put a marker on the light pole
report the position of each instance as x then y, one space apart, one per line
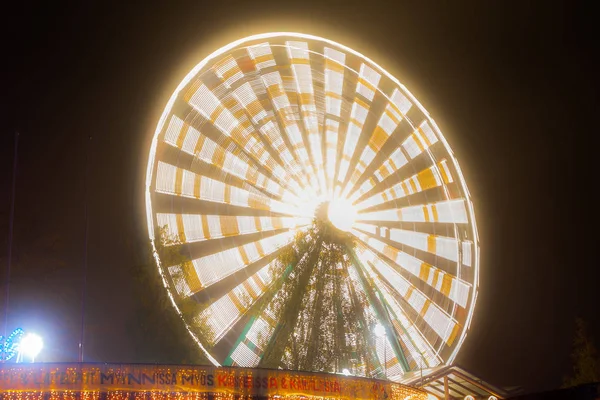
421 370
380 332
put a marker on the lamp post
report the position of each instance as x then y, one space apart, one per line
421 366
380 332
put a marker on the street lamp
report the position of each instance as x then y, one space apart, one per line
421 366
380 332
30 346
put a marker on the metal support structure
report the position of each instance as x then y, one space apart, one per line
384 337
446 389
85 249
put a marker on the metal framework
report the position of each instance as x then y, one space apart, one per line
453 382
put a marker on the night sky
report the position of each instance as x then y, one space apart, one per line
512 85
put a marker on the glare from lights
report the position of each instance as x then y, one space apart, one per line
346 372
30 346
341 214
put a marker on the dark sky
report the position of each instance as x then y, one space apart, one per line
512 84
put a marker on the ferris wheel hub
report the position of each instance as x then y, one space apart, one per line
341 213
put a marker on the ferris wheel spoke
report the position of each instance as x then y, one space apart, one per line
450 211
180 182
394 112
348 95
193 276
266 124
280 102
449 285
413 340
168 203
190 228
368 79
417 345
286 118
423 308
234 125
245 91
418 142
446 247
298 56
219 162
173 156
222 314
253 96
334 84
429 178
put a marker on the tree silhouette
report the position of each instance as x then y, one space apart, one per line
584 358
161 332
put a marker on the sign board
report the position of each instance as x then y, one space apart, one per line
45 377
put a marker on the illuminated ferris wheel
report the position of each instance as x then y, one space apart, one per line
266 147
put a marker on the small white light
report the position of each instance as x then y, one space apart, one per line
379 330
31 345
346 372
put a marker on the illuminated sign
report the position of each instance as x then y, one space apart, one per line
138 378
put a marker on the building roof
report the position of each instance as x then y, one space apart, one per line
461 383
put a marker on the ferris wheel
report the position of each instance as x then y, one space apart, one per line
262 143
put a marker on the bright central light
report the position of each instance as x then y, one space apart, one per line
341 214
31 345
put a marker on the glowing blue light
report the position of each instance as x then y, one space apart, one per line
9 346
